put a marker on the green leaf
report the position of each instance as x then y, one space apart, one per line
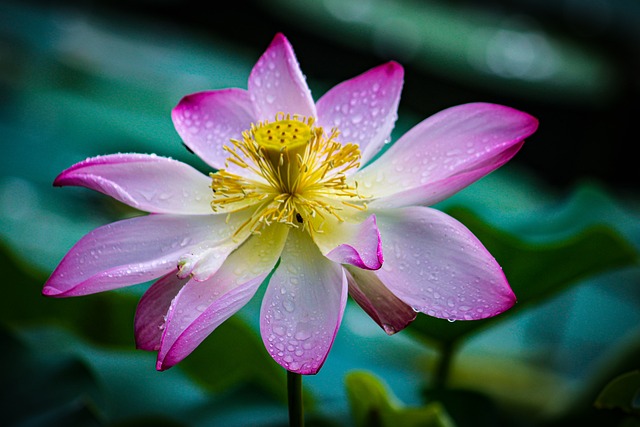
45 390
623 392
105 318
535 271
373 406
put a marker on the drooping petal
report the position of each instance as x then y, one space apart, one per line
445 153
131 251
437 266
277 85
152 309
200 307
206 121
146 182
303 306
386 309
351 243
364 108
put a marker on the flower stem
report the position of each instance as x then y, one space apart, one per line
294 390
444 366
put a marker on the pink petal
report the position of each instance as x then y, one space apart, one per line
277 85
200 307
303 306
445 153
437 266
349 243
129 252
382 305
364 108
206 121
146 182
152 309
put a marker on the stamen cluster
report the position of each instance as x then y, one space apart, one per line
291 172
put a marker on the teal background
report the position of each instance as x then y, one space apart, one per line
79 79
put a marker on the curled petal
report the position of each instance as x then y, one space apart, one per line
277 85
386 309
437 266
200 307
445 153
131 251
349 243
206 121
303 306
146 182
364 108
152 310
202 264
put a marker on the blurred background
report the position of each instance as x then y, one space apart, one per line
80 79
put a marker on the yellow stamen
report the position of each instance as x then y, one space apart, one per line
292 173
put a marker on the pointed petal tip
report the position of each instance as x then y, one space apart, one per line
50 291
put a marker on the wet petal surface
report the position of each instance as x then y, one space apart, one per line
303 306
437 266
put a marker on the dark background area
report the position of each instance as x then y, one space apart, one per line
578 138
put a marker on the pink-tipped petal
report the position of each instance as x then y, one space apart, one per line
146 182
364 108
386 309
152 310
351 243
437 266
200 307
131 251
207 121
445 153
303 306
277 85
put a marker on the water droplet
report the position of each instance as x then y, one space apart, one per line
302 335
288 305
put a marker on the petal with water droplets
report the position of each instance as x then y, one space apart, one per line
200 307
207 121
277 85
152 311
131 251
146 182
437 266
445 153
351 243
303 306
364 108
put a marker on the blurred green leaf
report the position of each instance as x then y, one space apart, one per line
623 392
232 355
535 271
467 408
105 318
39 389
373 406
474 44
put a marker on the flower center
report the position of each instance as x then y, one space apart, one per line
291 172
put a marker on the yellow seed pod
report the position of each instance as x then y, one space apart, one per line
281 134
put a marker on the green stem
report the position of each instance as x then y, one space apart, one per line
444 366
294 390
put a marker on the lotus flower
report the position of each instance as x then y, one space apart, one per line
296 194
